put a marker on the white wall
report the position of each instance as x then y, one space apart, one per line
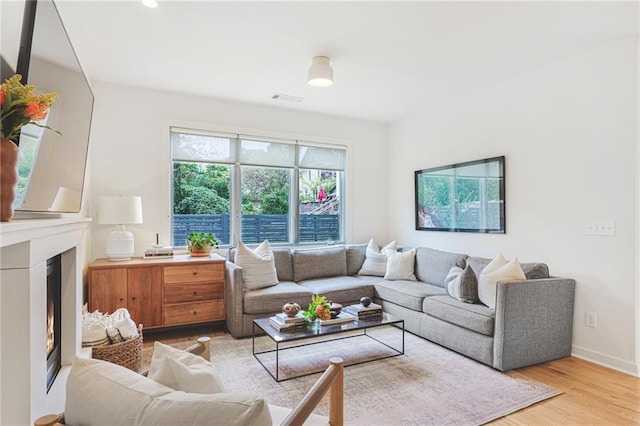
129 154
569 135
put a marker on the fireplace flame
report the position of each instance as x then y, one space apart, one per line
51 335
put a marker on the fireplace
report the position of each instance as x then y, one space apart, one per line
40 261
54 318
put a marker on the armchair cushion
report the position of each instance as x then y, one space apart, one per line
102 393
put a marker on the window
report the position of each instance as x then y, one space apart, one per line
250 189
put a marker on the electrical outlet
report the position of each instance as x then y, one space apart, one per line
591 319
602 227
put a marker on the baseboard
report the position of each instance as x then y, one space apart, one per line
605 360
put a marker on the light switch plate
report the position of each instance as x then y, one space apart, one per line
601 227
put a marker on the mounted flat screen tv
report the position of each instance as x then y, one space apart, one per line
464 197
52 167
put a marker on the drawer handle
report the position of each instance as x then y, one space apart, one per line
133 298
122 299
195 313
195 272
195 293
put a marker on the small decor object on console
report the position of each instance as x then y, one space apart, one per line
200 244
291 309
20 106
365 301
158 251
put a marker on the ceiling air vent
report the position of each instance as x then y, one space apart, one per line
287 98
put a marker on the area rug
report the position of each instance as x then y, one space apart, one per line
428 385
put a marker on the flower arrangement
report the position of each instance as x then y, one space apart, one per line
20 106
319 308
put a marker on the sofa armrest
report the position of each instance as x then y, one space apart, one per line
534 321
234 295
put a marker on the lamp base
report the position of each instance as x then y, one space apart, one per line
120 245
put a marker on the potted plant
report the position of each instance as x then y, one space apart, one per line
19 106
200 243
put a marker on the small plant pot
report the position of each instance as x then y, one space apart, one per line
199 252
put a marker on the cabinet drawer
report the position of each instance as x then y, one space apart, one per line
186 313
194 273
178 293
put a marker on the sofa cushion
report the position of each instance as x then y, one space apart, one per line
409 294
375 261
339 289
532 270
271 299
475 317
400 266
259 269
497 270
462 284
319 262
355 257
432 266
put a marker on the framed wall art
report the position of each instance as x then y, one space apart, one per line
463 197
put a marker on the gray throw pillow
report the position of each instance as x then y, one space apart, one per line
462 284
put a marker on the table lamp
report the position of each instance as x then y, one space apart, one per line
120 211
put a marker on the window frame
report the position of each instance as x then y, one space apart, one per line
235 176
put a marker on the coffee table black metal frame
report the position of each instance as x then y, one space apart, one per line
310 331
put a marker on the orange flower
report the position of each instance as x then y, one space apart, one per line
35 110
3 95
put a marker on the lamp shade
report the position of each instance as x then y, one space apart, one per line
320 72
119 210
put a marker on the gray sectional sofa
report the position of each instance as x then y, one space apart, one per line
531 323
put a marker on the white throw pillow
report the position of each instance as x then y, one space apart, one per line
400 266
497 270
259 267
196 378
375 261
162 351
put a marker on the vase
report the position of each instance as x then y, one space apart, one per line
8 178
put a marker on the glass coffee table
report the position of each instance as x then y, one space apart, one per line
321 335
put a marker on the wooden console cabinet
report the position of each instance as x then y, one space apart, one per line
160 292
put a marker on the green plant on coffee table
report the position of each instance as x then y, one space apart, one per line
319 308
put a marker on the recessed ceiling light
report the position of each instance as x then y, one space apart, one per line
150 3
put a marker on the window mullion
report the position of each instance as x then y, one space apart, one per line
294 209
236 197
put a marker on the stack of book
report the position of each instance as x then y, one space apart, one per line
373 311
282 322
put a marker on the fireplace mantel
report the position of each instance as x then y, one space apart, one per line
25 246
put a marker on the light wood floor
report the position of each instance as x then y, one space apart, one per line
592 395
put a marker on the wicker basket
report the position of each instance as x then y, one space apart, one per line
127 354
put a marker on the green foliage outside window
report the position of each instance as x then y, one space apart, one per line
201 188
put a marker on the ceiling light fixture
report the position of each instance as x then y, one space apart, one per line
320 72
150 3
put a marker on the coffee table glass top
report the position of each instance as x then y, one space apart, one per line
311 330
